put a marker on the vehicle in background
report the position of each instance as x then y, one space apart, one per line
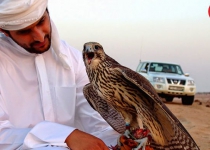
169 80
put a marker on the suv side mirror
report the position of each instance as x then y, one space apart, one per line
143 70
187 74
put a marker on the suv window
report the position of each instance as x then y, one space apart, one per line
138 68
145 66
141 66
166 68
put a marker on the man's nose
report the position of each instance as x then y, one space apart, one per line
38 34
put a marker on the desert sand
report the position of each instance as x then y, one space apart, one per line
195 118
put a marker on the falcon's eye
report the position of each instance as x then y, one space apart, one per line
90 55
97 47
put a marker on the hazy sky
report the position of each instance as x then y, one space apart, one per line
129 30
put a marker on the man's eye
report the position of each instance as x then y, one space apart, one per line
24 31
41 21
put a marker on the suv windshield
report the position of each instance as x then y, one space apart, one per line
166 68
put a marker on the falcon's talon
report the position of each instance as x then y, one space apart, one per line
142 143
127 133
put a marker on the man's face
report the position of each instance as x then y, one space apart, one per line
35 38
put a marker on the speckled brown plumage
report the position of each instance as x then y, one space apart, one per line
118 92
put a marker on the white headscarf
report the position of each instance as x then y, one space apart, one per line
18 14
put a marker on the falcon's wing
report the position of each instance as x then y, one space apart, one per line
112 117
173 130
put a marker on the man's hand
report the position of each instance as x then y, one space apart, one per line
79 140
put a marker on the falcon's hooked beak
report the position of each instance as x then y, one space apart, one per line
89 54
89 51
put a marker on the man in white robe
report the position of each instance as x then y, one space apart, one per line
41 82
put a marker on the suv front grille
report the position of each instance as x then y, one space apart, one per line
176 81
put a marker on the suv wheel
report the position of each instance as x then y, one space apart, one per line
187 100
169 98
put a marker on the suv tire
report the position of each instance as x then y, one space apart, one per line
169 98
187 100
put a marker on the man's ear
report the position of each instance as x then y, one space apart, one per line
6 32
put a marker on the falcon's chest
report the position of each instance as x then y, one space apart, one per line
109 83
104 80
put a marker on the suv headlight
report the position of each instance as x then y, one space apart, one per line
158 79
190 82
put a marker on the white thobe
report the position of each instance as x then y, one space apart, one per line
41 102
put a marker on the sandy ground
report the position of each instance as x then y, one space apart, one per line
195 118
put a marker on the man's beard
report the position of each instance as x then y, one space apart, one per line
33 50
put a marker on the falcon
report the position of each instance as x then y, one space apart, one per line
125 98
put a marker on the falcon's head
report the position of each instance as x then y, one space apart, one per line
93 54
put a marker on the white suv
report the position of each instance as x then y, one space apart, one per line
169 80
